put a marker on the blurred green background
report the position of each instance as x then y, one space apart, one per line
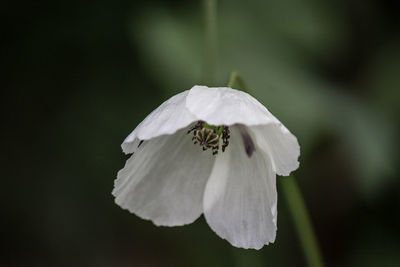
78 76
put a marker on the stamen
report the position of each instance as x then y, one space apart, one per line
208 136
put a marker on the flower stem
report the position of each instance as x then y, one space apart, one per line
235 76
301 221
294 201
210 40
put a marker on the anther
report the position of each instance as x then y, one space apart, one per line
208 136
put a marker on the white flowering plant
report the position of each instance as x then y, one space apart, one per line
213 151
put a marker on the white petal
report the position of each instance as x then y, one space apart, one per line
280 144
129 147
164 180
240 197
169 117
227 106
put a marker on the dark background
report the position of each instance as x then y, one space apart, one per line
78 76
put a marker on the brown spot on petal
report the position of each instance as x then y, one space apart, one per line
248 143
141 142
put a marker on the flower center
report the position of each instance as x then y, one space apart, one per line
208 136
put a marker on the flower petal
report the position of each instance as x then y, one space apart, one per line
169 117
164 180
240 197
227 106
280 144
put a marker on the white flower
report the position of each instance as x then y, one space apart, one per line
171 181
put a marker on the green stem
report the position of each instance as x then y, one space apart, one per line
210 38
232 78
235 76
294 201
301 221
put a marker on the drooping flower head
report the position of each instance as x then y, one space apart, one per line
209 150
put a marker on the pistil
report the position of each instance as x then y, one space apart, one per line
208 136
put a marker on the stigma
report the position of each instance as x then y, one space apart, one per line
208 136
